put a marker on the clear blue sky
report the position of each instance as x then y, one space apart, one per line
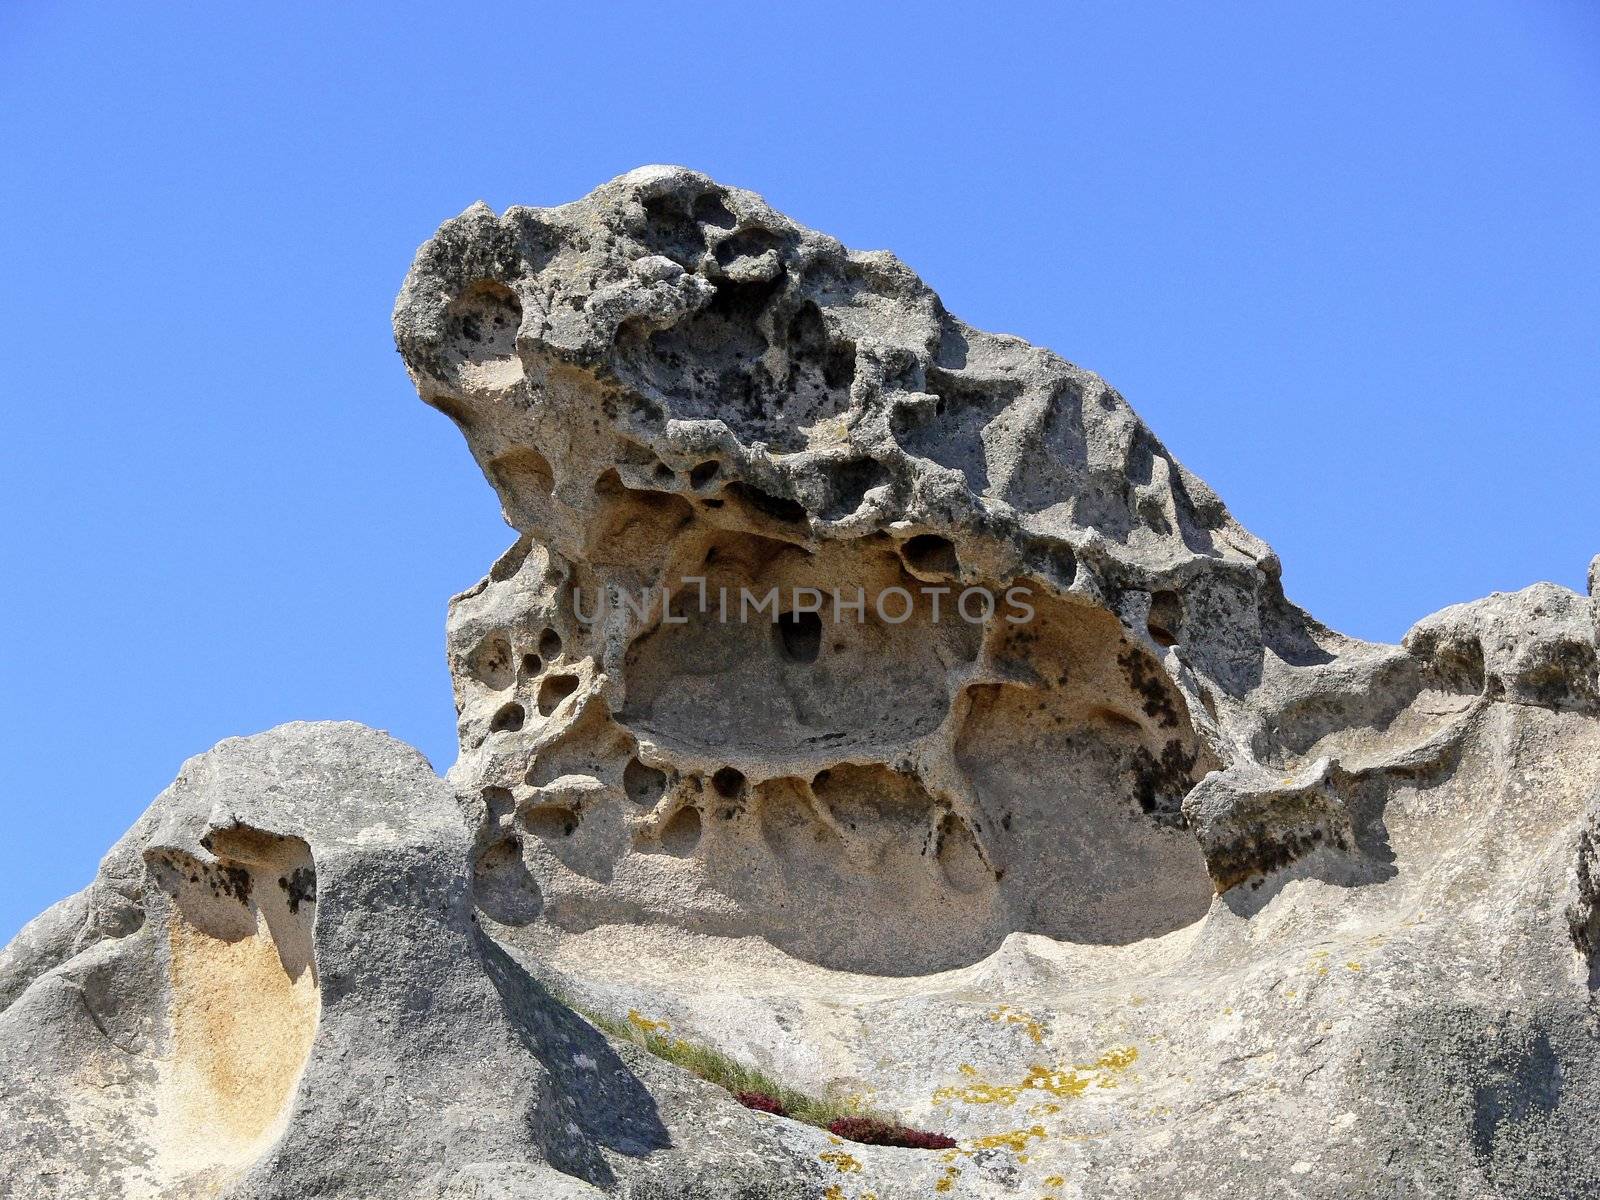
1346 263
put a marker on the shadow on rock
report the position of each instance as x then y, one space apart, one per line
590 1088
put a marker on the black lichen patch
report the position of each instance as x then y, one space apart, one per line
300 885
1257 851
1151 684
233 882
1160 784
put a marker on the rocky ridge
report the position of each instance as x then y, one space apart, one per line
1013 797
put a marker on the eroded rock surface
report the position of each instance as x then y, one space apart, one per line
877 700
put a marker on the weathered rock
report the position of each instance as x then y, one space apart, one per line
1536 646
1066 834
304 1005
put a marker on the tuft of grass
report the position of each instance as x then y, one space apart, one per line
757 1090
715 1067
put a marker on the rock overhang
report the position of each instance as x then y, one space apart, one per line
671 386
1166 887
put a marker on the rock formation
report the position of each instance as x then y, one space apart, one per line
877 701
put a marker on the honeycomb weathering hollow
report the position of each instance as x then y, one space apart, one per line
244 998
682 396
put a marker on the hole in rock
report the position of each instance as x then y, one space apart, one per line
1062 822
1091 765
1166 618
522 473
930 554
1055 565
523 480
777 507
811 349
951 433
532 664
747 243
674 232
746 683
551 821
498 802
682 834
550 645
744 302
490 663
848 485
554 690
1112 719
634 523
728 783
509 563
704 473
502 886
509 719
710 210
799 636
482 322
959 858
643 784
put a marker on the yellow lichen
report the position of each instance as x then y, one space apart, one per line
841 1160
858 1102
1016 1139
947 1180
1063 1082
1039 1078
1118 1059
1005 1015
1055 1181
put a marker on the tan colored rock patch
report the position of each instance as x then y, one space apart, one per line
243 1011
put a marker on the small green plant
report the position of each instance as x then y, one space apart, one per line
753 1088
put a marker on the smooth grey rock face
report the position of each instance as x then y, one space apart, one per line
1163 889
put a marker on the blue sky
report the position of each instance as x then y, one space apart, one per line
1344 262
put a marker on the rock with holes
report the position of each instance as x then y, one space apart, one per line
874 701
826 603
879 700
277 987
